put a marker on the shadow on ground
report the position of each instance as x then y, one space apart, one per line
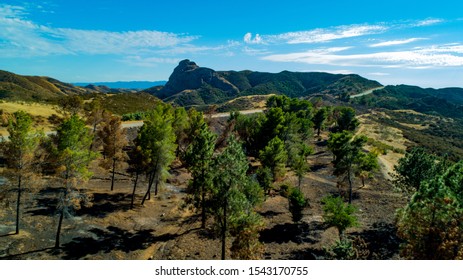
109 239
297 233
382 240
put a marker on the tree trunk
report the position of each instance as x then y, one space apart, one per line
318 132
224 228
156 187
18 202
112 177
58 232
350 185
203 207
134 189
148 192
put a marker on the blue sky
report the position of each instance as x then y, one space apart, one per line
393 42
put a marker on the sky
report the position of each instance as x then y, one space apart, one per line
393 42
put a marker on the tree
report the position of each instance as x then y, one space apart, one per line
338 214
319 119
348 156
274 156
265 178
199 158
298 160
20 151
71 149
136 165
297 203
233 194
95 116
180 126
156 141
70 105
367 164
416 167
114 140
431 224
345 119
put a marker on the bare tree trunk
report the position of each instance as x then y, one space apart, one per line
58 232
203 207
148 192
134 188
156 187
112 177
350 185
18 202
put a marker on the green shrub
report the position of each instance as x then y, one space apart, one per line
297 203
338 214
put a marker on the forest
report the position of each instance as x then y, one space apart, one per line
239 174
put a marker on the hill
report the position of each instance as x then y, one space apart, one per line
33 88
191 84
447 102
15 87
127 85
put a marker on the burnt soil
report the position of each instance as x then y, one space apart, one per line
164 228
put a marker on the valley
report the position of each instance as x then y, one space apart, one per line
271 119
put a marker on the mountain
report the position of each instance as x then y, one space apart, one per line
130 85
34 88
190 84
446 102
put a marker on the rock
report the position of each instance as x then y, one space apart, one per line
188 76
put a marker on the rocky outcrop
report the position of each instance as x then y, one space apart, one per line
188 76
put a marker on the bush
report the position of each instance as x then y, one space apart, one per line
338 214
297 203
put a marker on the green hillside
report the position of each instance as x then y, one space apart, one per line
190 84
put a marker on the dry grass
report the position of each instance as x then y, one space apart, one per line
40 112
389 136
35 109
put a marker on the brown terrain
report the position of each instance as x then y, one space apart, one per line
165 229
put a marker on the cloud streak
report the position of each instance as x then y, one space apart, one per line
319 35
396 42
23 38
418 58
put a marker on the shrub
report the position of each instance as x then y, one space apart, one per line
338 214
297 203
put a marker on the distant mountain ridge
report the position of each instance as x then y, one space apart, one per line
38 88
190 84
133 85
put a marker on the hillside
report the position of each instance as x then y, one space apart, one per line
191 84
447 102
15 87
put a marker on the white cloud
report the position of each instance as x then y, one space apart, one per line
428 22
318 35
418 58
249 40
21 37
137 60
396 42
379 74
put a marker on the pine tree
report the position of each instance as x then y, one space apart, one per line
199 158
156 141
233 194
348 156
20 151
114 140
274 156
71 149
319 119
